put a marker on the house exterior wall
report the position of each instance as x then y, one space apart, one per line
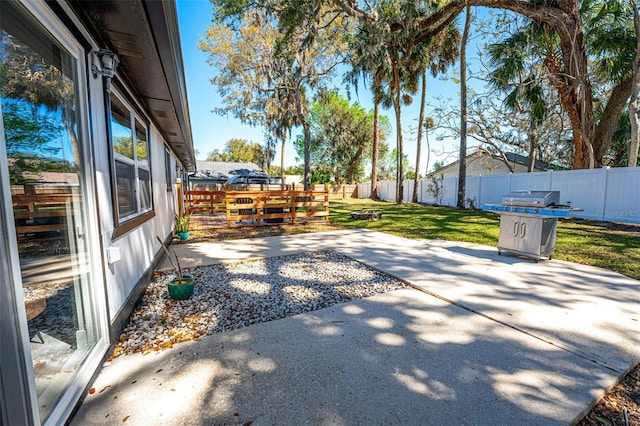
118 263
138 247
482 165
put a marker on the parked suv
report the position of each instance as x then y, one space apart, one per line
248 179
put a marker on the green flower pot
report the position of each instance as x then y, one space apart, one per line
180 288
183 235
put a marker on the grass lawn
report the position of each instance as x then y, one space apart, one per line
611 246
603 244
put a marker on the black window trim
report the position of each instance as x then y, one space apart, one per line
169 170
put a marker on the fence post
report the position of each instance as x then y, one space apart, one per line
604 196
227 201
260 205
179 198
293 199
326 201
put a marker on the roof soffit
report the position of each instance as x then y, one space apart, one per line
144 35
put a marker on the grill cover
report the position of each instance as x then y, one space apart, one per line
532 198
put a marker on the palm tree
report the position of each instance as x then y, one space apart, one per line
442 53
429 123
517 70
577 25
383 51
280 117
408 60
462 167
609 42
367 60
423 96
634 108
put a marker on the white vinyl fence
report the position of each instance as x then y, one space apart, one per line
611 195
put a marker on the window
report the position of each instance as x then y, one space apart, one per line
167 169
130 144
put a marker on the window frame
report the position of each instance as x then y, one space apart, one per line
141 214
168 174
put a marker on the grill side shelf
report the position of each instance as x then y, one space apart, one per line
499 208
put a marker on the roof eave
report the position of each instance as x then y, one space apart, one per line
145 36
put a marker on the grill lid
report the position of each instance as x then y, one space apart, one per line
528 198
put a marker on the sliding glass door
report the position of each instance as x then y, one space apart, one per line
43 127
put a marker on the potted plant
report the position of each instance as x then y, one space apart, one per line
182 226
180 287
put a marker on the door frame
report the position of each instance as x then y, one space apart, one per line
17 379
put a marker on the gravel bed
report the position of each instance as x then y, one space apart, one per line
231 296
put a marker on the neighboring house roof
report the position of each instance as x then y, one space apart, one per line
512 157
144 34
521 159
222 170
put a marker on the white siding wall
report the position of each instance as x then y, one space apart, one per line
604 194
139 246
483 165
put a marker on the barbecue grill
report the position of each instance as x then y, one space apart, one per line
528 222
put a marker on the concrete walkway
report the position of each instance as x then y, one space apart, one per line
488 340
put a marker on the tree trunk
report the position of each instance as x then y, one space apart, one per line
376 149
284 140
635 134
575 61
564 17
558 81
576 94
353 163
307 153
75 144
423 98
306 131
533 143
571 80
69 117
633 102
462 169
397 105
426 139
610 118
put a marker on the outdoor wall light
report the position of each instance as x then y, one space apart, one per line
108 62
178 172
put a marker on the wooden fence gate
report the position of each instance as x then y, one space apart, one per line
257 207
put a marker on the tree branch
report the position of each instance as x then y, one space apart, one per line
609 118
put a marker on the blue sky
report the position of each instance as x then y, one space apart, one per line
211 131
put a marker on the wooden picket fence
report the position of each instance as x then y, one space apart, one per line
256 207
42 208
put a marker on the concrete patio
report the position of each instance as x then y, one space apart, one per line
480 339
